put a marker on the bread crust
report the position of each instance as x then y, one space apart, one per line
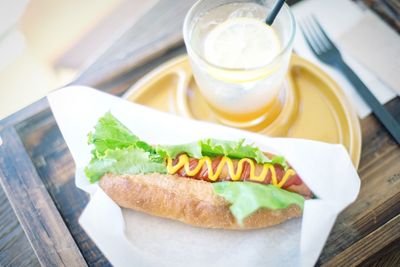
187 200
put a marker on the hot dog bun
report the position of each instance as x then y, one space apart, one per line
187 200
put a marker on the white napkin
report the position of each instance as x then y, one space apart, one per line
130 238
377 46
336 17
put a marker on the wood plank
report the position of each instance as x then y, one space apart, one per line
151 36
123 82
14 246
371 244
103 33
24 113
55 166
388 10
43 225
389 257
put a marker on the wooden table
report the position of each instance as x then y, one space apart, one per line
38 222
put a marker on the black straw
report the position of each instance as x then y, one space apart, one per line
274 12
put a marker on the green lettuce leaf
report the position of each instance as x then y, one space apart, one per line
248 197
110 133
130 160
192 149
281 161
232 149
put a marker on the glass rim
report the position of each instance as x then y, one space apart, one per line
189 49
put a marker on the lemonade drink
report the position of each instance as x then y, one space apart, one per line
238 61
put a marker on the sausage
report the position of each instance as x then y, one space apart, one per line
293 184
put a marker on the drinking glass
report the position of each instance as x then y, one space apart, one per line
238 96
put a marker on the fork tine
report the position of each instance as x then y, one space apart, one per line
321 30
319 39
308 37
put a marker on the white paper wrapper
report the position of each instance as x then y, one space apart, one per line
130 238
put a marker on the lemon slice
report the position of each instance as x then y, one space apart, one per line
241 43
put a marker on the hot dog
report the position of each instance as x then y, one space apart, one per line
210 183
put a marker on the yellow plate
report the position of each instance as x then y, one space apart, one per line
314 106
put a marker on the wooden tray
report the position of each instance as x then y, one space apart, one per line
314 106
37 171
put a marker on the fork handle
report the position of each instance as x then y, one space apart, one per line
377 108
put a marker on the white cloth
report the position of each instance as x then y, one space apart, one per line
336 17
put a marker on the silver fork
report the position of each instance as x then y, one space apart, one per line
326 51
